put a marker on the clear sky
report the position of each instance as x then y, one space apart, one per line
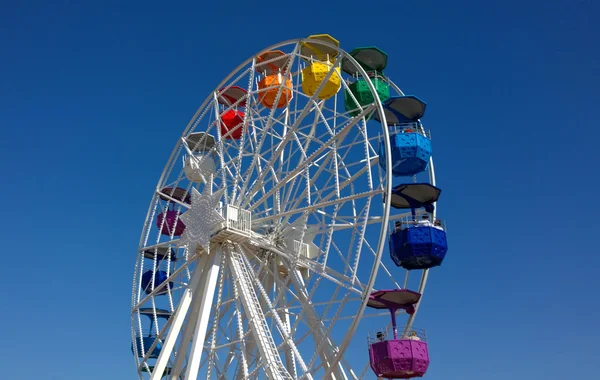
93 96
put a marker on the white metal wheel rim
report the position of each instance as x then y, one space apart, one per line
381 244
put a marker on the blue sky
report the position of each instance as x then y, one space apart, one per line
93 97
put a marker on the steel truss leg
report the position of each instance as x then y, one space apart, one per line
324 345
198 319
267 281
290 361
271 362
177 320
284 315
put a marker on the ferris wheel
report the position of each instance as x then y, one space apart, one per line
296 211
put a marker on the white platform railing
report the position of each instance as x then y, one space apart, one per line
301 247
238 219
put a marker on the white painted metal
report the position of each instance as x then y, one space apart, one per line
206 299
177 320
186 337
272 364
325 347
287 339
238 219
267 280
290 361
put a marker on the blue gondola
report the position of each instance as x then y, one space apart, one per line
417 242
160 276
148 340
410 143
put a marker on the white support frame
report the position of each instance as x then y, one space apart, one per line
178 319
197 323
325 347
271 362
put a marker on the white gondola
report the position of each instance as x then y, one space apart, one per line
199 164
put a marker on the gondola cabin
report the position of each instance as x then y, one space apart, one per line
168 221
410 144
417 241
232 96
397 357
359 95
175 194
232 119
232 124
320 75
315 47
199 166
160 277
143 345
416 245
148 338
403 358
275 86
316 75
